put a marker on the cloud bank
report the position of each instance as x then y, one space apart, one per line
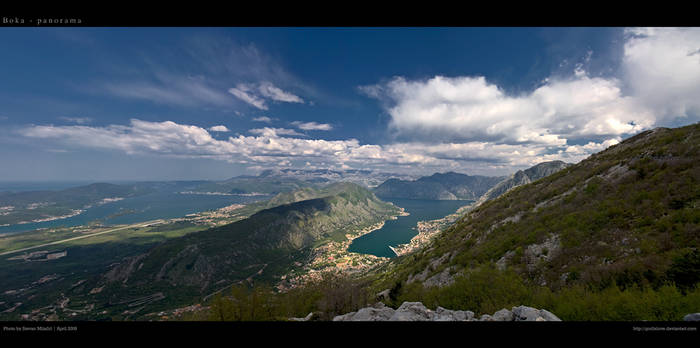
270 146
565 117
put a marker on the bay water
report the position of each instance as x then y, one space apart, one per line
165 203
401 230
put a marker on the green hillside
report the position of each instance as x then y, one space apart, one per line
624 222
262 247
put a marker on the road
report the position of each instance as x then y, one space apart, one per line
143 224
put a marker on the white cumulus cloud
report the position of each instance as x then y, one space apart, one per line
659 82
472 109
219 128
274 132
312 125
662 69
469 119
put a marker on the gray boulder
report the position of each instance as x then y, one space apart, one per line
692 317
412 311
307 318
379 312
548 316
442 314
344 317
485 317
374 314
524 313
503 315
416 311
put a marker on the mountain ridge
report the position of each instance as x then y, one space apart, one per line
522 177
439 186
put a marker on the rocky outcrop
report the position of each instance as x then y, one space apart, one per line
523 313
306 318
432 266
416 311
692 317
122 271
441 279
378 312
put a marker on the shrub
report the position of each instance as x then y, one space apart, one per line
685 270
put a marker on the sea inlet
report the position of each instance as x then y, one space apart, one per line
401 230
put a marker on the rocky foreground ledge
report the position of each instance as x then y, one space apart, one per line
416 311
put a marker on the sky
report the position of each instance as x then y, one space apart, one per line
212 103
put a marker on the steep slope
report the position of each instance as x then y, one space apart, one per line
263 246
439 186
523 177
626 216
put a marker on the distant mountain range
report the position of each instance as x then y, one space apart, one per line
439 186
285 180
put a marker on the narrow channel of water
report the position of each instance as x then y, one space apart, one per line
401 230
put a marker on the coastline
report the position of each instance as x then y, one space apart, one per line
85 231
335 257
75 212
428 229
251 194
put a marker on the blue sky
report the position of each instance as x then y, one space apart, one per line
212 103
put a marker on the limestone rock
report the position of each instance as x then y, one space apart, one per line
692 317
374 314
307 318
524 313
379 312
412 311
548 316
486 317
441 279
344 317
442 314
416 311
503 315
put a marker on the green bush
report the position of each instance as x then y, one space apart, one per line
486 290
685 270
